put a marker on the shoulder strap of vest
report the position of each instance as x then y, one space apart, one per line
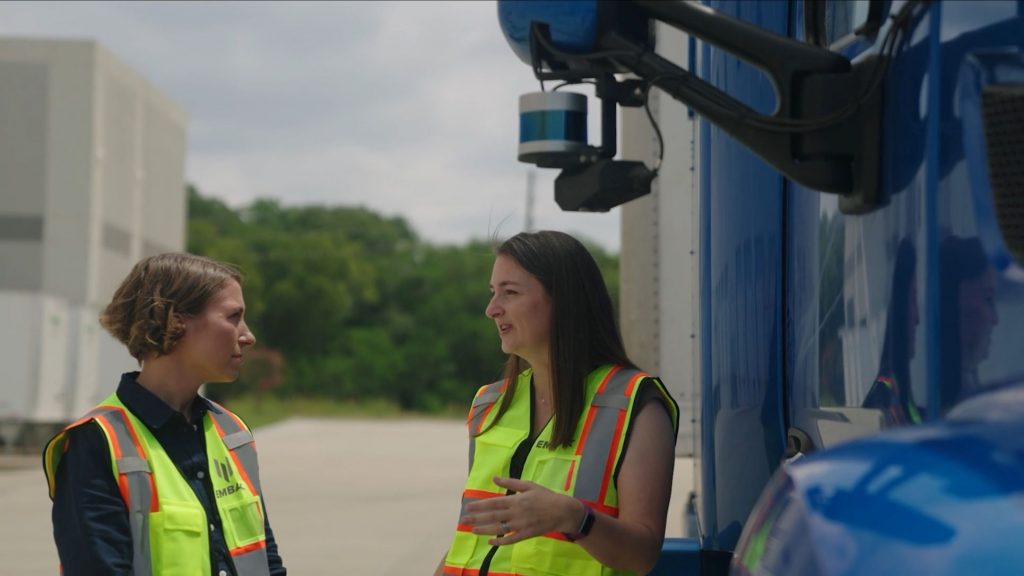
483 402
249 560
58 446
134 478
602 434
240 444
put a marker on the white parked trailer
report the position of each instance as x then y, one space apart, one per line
660 257
91 180
34 338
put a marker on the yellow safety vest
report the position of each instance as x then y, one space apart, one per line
586 470
168 523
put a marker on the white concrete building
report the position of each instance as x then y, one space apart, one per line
91 180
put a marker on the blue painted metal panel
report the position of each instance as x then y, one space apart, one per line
678 556
915 297
742 428
936 499
704 454
855 284
573 23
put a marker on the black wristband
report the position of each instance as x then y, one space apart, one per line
585 525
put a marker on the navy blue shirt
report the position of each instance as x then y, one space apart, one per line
90 520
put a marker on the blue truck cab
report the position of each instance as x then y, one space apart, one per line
860 406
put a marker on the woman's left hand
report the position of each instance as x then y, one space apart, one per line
533 510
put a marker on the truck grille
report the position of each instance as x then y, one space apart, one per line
1003 109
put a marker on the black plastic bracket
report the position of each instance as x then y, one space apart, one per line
840 156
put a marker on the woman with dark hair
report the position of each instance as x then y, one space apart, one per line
891 392
967 316
157 479
571 454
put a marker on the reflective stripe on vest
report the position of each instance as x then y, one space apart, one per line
130 468
585 470
249 558
602 432
483 403
138 485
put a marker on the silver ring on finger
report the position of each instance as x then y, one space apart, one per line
505 528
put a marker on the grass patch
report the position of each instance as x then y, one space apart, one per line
264 409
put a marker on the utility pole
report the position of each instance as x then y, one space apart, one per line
530 177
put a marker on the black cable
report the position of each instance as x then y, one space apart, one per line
657 129
603 55
573 83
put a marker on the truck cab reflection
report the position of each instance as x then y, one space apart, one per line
891 392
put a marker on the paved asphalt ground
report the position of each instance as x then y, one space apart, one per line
367 497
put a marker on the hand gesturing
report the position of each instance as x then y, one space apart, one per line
531 511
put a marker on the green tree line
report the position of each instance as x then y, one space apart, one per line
347 304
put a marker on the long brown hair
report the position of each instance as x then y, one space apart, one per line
584 334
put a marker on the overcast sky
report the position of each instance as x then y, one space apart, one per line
406 108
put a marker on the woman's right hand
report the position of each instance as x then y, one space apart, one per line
531 511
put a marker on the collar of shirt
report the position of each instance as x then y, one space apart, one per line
153 411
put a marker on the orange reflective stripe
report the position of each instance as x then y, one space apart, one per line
480 494
586 429
486 410
154 502
472 411
613 452
122 479
603 508
632 384
592 411
483 418
131 430
608 378
460 571
114 442
568 477
234 457
248 548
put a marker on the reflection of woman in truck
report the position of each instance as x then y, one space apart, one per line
968 316
891 392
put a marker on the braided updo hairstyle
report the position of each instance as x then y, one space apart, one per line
143 313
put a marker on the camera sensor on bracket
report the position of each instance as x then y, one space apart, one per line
553 134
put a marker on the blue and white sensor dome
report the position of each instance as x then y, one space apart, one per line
552 128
